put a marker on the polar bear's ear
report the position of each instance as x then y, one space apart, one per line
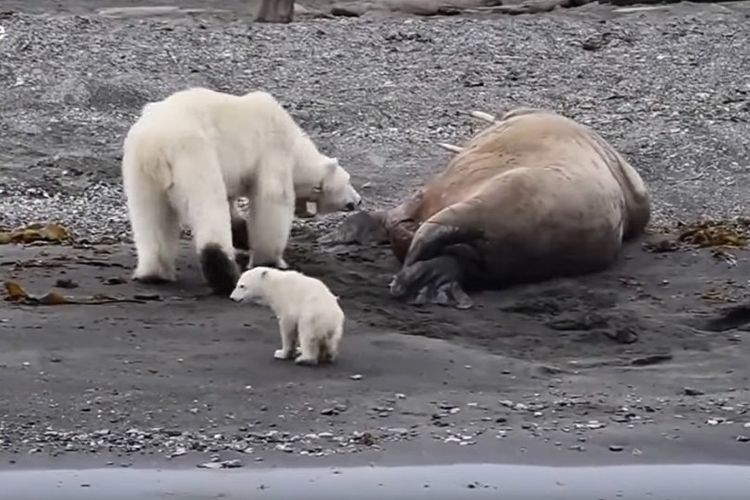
331 165
264 273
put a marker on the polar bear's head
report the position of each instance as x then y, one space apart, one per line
251 286
335 192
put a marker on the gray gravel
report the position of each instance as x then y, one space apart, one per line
672 92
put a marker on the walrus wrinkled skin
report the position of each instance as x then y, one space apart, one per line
532 197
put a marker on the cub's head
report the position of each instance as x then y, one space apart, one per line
250 285
335 192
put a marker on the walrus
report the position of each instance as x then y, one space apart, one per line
532 197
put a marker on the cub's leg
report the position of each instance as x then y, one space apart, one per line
309 344
288 332
331 351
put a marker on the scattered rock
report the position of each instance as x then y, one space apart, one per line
624 335
689 391
225 464
348 9
66 283
115 280
147 296
651 360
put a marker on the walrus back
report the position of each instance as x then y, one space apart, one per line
532 139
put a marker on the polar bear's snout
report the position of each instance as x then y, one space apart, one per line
336 191
239 293
356 202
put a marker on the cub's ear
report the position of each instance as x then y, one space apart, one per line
264 273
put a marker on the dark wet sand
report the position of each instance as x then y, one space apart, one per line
203 365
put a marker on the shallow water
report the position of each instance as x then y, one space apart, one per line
509 482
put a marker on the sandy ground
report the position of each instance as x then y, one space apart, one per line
562 372
618 367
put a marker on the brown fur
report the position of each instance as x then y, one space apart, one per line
534 196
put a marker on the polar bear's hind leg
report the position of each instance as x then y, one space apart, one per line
199 187
154 224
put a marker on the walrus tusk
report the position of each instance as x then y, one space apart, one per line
483 116
450 147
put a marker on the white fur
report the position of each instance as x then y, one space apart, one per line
189 156
308 313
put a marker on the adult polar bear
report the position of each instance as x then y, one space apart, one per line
534 196
190 156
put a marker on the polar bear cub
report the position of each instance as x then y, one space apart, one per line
309 314
190 156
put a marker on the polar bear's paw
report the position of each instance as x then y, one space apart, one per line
305 360
153 279
279 263
242 259
219 269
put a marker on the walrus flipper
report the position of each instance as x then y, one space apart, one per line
440 263
433 281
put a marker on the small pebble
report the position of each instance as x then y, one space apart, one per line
226 464
689 391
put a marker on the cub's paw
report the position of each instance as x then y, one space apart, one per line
281 354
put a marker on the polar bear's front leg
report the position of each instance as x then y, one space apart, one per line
270 220
240 234
199 189
288 333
